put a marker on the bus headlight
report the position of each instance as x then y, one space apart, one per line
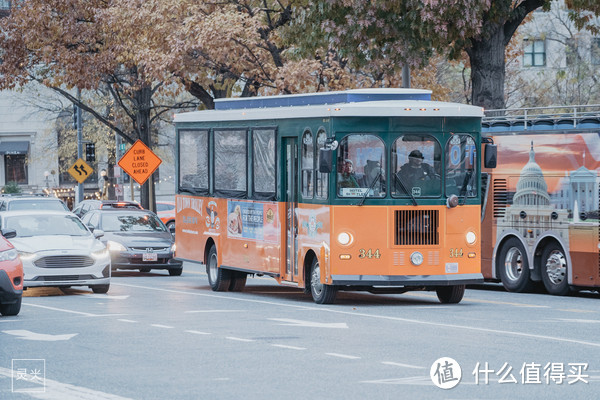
416 258
344 238
471 237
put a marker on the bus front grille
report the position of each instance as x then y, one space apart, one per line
416 227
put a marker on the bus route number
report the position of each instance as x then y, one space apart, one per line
362 253
456 253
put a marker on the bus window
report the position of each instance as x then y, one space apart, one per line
264 176
308 165
416 166
361 166
461 170
322 179
230 162
193 160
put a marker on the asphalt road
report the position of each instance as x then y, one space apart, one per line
154 336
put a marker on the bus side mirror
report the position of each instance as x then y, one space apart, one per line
325 160
490 156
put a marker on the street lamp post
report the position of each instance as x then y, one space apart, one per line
46 179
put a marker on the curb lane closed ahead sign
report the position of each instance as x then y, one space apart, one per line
139 162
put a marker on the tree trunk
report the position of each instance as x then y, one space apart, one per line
143 97
487 69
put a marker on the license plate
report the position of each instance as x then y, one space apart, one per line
149 257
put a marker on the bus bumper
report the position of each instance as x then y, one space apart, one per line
406 280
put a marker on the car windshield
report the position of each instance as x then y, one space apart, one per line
37 204
39 225
118 222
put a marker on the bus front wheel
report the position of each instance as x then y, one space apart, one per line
514 267
450 294
321 293
218 278
554 270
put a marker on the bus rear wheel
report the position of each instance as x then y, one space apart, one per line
514 267
238 281
450 294
219 279
555 270
321 293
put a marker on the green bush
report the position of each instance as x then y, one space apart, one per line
11 187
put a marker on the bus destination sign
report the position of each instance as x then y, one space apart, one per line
139 162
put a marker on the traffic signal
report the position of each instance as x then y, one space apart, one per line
90 152
74 116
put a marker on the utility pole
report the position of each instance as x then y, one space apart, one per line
78 125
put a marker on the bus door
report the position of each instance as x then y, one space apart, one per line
290 146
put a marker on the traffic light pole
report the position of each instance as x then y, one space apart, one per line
77 115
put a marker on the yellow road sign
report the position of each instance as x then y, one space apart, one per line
80 170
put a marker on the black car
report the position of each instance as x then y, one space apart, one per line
31 202
87 205
136 239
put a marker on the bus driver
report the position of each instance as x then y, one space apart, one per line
415 170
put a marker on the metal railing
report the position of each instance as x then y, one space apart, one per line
566 117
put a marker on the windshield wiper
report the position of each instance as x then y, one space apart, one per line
360 203
463 189
403 187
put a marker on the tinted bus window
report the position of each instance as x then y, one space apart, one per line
230 162
193 159
307 165
264 175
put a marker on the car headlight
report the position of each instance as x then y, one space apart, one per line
102 253
471 237
8 255
344 238
115 246
173 247
26 256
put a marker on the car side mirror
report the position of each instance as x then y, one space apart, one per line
490 156
9 233
98 233
325 160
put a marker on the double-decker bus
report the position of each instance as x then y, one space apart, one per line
540 217
374 190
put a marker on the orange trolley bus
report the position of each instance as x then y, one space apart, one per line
368 189
541 220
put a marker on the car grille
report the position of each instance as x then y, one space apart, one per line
62 278
416 227
154 249
64 262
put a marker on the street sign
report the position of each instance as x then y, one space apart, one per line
139 162
80 170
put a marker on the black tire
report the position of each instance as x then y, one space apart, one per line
219 279
11 309
170 224
101 289
321 293
450 294
513 267
555 270
175 272
238 281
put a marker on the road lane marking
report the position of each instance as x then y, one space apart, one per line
199 333
55 390
127 320
375 316
343 356
283 346
310 324
23 334
239 339
402 365
162 326
578 311
212 311
61 309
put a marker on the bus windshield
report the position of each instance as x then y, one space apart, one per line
360 161
416 166
461 166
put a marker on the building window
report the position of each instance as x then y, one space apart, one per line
15 166
595 51
535 53
4 4
571 52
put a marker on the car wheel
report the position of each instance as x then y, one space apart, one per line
514 267
100 288
321 293
170 224
555 270
11 309
175 272
218 278
238 281
450 294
